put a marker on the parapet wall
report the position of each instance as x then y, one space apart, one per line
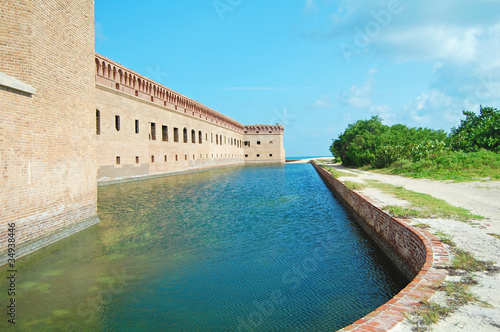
111 74
417 253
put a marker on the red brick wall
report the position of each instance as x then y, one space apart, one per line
404 247
419 255
47 150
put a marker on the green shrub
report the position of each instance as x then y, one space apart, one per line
477 131
470 152
369 142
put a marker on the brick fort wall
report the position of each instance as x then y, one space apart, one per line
47 101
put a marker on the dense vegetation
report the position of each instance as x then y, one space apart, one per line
470 151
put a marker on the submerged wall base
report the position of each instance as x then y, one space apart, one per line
33 245
417 253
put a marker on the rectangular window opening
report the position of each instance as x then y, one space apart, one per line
98 122
153 131
176 135
164 133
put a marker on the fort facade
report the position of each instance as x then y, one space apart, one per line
72 118
146 129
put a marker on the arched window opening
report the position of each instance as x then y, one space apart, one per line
97 66
185 132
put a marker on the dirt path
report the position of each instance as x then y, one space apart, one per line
481 198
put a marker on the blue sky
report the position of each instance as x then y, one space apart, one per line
314 66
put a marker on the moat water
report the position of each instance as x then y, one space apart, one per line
239 249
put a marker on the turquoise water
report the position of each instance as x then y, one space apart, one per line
239 249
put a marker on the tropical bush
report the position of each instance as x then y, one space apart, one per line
473 147
369 142
477 131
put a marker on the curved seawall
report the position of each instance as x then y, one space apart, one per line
416 252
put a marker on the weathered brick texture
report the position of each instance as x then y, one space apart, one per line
70 116
417 253
47 143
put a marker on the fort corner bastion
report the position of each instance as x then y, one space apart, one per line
73 119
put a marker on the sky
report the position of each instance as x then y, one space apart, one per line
314 66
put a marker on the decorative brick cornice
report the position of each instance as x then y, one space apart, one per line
264 129
113 75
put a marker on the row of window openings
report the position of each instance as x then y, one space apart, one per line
165 159
247 143
258 155
164 133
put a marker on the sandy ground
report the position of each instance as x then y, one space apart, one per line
481 198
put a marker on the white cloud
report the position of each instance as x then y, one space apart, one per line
360 96
430 43
323 102
435 107
310 4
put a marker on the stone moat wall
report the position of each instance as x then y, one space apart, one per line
417 253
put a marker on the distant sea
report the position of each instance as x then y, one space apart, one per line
306 157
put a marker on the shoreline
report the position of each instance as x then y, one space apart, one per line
480 198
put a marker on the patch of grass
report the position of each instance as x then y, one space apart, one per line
425 205
431 312
401 211
464 260
354 185
495 235
459 294
337 174
327 161
456 166
421 225
445 238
